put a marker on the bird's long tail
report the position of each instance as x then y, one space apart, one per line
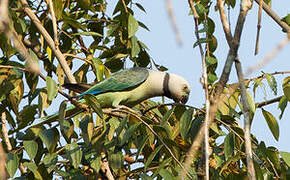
69 112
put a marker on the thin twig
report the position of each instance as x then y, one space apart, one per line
269 57
75 56
247 121
50 41
125 6
54 24
275 17
207 102
271 101
258 27
173 22
5 132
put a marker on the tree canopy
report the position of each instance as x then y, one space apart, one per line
45 43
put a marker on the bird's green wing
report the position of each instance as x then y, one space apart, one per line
124 80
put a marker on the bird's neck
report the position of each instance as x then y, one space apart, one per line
158 83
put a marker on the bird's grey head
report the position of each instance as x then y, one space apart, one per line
178 88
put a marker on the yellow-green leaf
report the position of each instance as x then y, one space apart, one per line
51 88
286 87
12 164
272 123
132 25
31 148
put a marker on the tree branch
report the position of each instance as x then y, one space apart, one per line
275 17
258 27
54 24
247 121
173 22
215 99
50 41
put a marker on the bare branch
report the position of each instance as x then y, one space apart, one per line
225 23
275 17
258 27
247 121
173 22
5 132
106 168
3 174
271 101
50 41
54 24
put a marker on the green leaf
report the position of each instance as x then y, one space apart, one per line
51 88
151 157
34 168
286 19
50 161
88 34
229 145
94 104
282 105
75 154
135 47
185 122
129 133
12 164
96 163
50 138
165 174
251 102
272 123
286 157
132 26
286 87
140 7
272 83
116 160
31 148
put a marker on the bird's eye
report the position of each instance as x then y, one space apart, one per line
185 87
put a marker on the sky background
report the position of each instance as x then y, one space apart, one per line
186 61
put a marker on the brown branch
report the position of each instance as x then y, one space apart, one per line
271 101
3 174
225 23
11 34
258 27
275 17
247 121
54 24
75 56
173 22
106 168
125 6
49 40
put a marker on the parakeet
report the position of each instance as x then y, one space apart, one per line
132 86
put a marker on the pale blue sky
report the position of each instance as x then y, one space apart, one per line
186 61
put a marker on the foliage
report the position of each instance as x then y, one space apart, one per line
155 141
